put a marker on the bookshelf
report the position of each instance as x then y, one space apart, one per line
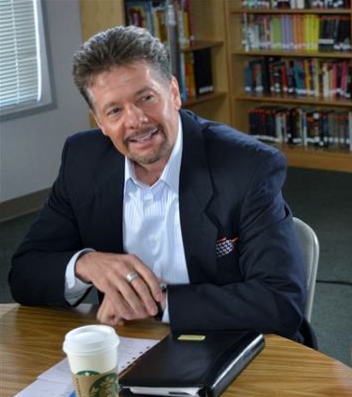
242 101
97 15
218 25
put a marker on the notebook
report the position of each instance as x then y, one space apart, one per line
201 364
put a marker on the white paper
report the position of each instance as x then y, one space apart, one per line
57 382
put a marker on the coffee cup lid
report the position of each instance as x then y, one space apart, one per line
90 339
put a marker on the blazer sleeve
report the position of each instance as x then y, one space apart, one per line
270 295
37 275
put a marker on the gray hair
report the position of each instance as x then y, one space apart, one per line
116 47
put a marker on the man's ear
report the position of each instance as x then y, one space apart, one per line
175 92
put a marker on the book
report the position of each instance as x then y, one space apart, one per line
349 138
198 365
183 12
202 69
189 75
172 39
138 13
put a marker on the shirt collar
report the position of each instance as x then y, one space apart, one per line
171 173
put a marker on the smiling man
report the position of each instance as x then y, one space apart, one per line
157 196
139 113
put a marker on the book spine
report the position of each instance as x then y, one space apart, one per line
189 75
183 82
350 130
172 35
202 66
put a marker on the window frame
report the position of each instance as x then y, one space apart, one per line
47 97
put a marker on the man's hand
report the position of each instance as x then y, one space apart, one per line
123 300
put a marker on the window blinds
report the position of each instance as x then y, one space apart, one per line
19 53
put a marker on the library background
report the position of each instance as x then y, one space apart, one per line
278 69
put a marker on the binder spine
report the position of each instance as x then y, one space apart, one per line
226 371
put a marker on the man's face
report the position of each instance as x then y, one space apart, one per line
138 111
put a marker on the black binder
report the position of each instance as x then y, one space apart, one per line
186 365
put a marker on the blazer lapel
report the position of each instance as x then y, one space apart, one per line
198 230
107 204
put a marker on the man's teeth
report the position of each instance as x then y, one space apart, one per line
144 136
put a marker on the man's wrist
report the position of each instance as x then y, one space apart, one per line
80 264
74 287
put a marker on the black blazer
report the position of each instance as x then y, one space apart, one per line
230 188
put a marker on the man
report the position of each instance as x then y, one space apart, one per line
159 196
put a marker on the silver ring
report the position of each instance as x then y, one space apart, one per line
131 276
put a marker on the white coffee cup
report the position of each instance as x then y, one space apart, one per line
91 351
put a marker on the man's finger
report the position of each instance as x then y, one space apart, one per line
137 295
144 296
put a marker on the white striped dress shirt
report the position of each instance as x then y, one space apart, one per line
151 220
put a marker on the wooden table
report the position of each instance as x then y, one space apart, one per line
31 342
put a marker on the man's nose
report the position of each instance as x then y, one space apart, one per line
134 116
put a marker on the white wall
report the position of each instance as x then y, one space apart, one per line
30 147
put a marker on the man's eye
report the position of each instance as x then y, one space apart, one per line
114 111
148 98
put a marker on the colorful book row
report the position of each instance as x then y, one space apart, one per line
296 32
311 77
154 16
196 76
302 126
171 21
295 4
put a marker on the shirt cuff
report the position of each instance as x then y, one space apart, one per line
166 318
74 287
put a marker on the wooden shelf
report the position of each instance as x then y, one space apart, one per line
325 11
317 158
242 103
204 98
294 54
323 159
199 45
286 99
